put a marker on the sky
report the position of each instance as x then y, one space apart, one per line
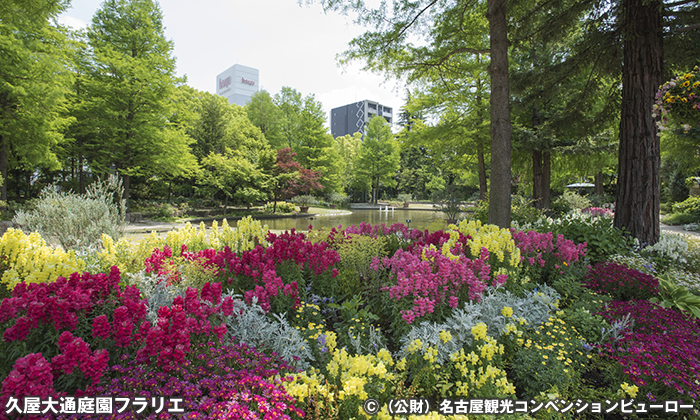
290 44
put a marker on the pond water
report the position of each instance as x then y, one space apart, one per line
419 219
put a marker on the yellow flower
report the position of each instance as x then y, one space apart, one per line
430 354
415 345
479 331
629 390
445 336
507 311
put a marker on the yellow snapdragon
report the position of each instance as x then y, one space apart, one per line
129 256
445 336
479 331
498 241
431 354
414 346
31 260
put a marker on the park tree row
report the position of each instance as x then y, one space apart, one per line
79 105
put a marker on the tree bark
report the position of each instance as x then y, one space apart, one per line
537 178
537 158
499 195
638 193
483 184
546 178
599 183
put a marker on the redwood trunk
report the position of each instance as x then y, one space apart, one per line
638 191
546 178
537 178
599 183
499 194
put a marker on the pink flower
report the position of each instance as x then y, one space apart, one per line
31 375
101 327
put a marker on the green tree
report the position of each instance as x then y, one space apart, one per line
237 161
34 81
379 158
131 87
235 175
303 130
559 111
265 115
449 31
348 149
629 39
457 140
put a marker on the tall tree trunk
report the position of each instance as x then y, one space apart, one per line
599 183
483 185
638 190
376 191
81 174
499 197
546 178
537 185
537 178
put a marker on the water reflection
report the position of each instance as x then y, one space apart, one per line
420 219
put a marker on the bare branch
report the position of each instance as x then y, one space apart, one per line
688 28
415 18
680 3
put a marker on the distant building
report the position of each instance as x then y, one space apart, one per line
351 118
238 84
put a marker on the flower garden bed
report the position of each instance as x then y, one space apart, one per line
242 323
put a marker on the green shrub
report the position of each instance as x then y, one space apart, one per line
76 221
693 256
305 200
586 322
162 212
282 207
674 219
522 210
356 254
691 206
449 201
337 198
601 237
598 200
550 360
569 201
404 198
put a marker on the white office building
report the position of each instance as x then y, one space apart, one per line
238 84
